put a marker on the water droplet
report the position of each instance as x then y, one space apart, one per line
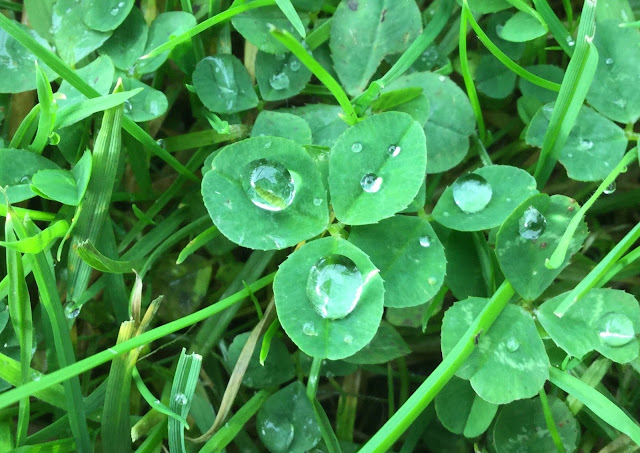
432 281
309 329
279 81
267 145
277 434
609 61
25 180
499 28
356 147
615 329
394 150
348 339
294 65
472 193
586 143
71 310
532 223
371 183
280 56
115 11
317 201
161 143
442 78
180 398
610 188
269 185
334 286
127 106
425 241
512 344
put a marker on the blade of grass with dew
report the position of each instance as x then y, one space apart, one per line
204 25
557 257
573 91
93 211
41 241
230 430
20 313
50 299
72 114
420 399
557 29
317 70
66 373
185 380
504 59
47 111
68 74
435 25
196 243
11 371
154 402
551 424
468 77
92 256
598 403
595 277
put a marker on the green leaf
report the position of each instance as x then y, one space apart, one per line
522 27
223 84
280 124
286 422
278 368
288 10
127 43
325 121
146 105
387 345
520 426
106 15
40 241
461 411
314 334
17 167
594 146
487 6
493 78
583 328
510 352
613 92
98 74
450 122
172 23
364 32
509 186
255 26
522 258
73 38
92 256
546 71
376 168
409 255
294 204
66 187
280 76
17 64
463 264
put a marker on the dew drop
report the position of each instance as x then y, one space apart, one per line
472 193
499 29
356 147
532 223
180 398
317 201
442 78
36 376
425 241
160 142
586 143
512 344
269 185
570 41
371 183
334 286
432 281
610 188
394 150
127 106
25 180
277 434
609 61
279 81
348 339
280 56
71 310
309 329
294 65
267 145
615 329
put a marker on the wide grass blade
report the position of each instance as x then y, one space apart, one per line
184 385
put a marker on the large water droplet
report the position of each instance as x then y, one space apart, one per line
371 182
610 188
269 185
586 143
279 81
609 61
277 434
334 286
532 223
615 329
72 310
394 150
308 328
425 241
472 193
356 147
512 344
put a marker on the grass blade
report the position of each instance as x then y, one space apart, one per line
288 10
40 241
47 111
84 109
154 402
92 256
197 242
555 26
184 385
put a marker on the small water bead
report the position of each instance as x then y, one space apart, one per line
180 398
269 185
309 329
317 201
394 150
280 56
570 41
371 183
512 344
471 193
532 223
294 65
334 286
279 81
425 241
610 188
586 143
71 310
609 61
25 180
348 339
615 330
432 281
356 147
